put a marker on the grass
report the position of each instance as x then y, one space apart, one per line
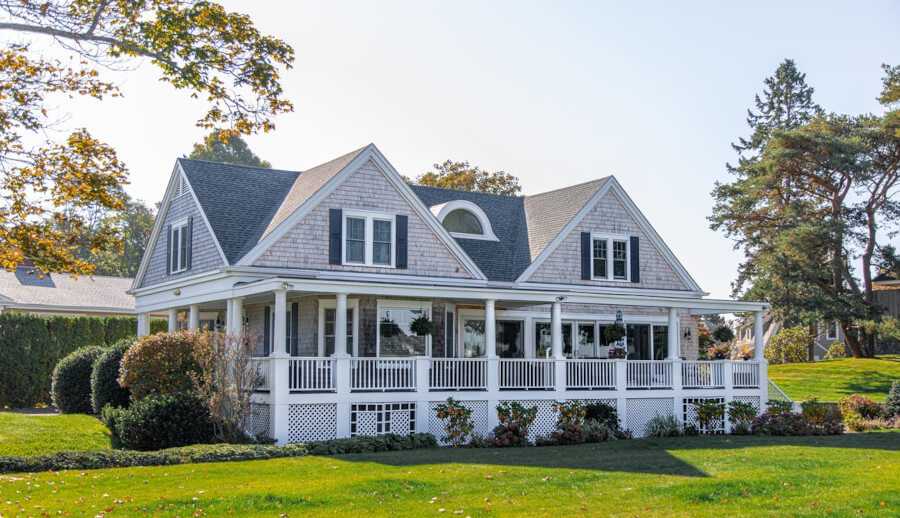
698 476
832 379
24 434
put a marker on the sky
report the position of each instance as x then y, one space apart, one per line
556 93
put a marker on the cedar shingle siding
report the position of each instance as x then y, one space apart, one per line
306 245
205 257
563 266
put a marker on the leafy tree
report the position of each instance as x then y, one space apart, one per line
231 149
723 333
806 204
465 177
50 185
133 224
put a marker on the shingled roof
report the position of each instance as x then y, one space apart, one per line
244 204
25 289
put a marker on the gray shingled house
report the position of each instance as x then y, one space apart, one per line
371 300
24 290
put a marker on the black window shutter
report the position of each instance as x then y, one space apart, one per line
635 259
402 241
335 224
295 328
586 256
267 330
189 242
168 249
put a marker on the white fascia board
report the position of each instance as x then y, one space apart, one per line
180 282
71 309
212 233
354 276
624 288
157 226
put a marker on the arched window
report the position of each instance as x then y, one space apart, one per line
464 219
463 222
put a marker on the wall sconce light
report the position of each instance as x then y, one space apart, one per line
687 333
560 298
176 292
286 286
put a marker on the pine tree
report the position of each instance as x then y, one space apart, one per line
230 150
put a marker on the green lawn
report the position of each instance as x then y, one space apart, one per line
699 476
832 379
22 434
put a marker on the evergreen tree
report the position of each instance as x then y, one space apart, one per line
229 150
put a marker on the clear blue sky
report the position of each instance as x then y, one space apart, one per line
554 92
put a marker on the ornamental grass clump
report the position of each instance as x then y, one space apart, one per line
569 422
457 420
515 421
663 426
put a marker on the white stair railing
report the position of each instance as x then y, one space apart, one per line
746 374
527 374
458 374
591 374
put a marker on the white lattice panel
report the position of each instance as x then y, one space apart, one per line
382 418
638 411
690 414
479 419
260 421
545 422
312 422
753 400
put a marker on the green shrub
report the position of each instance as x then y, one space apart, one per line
595 431
892 402
160 364
777 406
813 410
664 426
793 424
26 362
723 333
158 422
457 421
741 415
515 421
710 414
368 444
789 345
836 350
71 386
860 405
105 388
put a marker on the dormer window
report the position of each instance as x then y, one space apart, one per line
610 257
464 219
368 239
179 246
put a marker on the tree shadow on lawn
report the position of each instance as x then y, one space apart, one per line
647 456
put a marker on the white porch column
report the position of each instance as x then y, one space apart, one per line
229 315
758 341
674 335
143 324
490 328
173 320
279 333
556 343
340 326
194 317
237 307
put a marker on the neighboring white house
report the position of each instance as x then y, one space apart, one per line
25 290
827 333
519 289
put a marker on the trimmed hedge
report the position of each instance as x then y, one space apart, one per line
71 387
209 453
105 388
31 346
159 422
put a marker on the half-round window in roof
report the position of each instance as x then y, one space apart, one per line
463 222
464 219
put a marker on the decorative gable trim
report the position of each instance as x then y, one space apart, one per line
369 153
177 183
612 185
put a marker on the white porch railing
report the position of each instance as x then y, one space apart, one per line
382 374
458 374
590 374
527 374
745 374
648 374
311 375
262 370
702 374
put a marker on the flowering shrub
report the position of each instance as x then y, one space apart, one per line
569 422
515 420
790 345
718 352
859 405
813 410
617 353
777 406
160 364
836 350
793 424
709 414
457 421
741 415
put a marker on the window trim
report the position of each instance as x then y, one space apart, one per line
352 304
610 268
400 304
175 248
368 237
828 335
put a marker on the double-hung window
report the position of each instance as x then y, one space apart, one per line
610 258
368 239
178 247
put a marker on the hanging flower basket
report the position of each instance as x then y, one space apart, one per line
422 326
617 353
